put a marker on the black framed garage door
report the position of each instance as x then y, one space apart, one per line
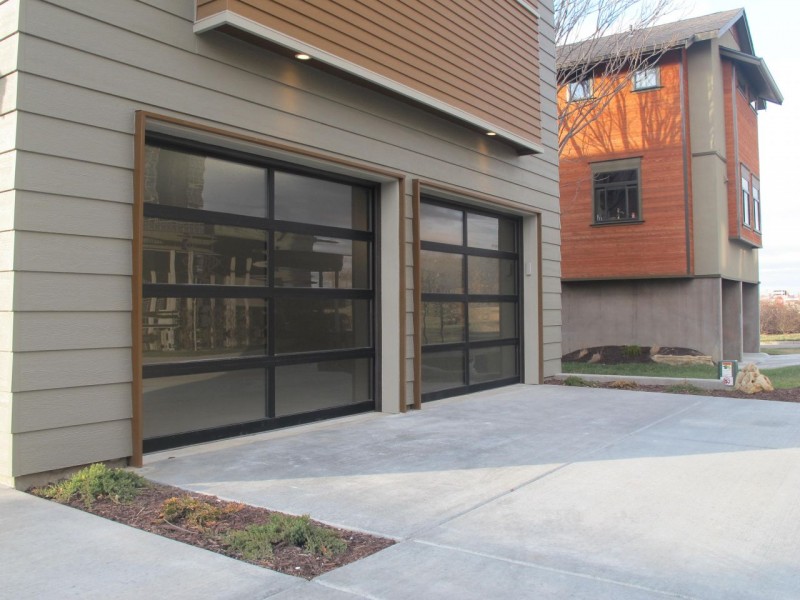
471 299
258 294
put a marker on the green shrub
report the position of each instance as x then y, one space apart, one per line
632 351
94 482
576 381
684 388
256 542
622 384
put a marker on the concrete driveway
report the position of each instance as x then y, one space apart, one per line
536 492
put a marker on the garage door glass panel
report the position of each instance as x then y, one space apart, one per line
203 253
492 275
318 385
181 329
442 370
491 364
491 233
441 224
321 262
442 273
316 324
442 322
320 202
492 320
177 178
182 403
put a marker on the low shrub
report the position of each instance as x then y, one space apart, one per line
93 483
257 541
623 384
576 381
632 351
194 512
684 388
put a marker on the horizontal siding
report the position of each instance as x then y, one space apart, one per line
6 290
9 54
8 131
41 331
9 18
6 376
76 216
8 171
57 253
480 59
66 407
71 292
70 368
52 449
7 206
6 331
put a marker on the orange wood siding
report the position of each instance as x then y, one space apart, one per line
742 149
637 124
479 56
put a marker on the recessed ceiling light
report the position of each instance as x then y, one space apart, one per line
302 56
490 133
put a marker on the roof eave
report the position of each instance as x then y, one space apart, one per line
769 89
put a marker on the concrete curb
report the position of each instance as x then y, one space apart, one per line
706 384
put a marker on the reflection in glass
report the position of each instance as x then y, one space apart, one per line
442 370
442 322
201 253
441 224
492 275
492 233
321 202
315 324
320 261
314 386
442 273
184 403
181 329
490 364
174 178
492 320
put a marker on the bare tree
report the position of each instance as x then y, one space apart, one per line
600 45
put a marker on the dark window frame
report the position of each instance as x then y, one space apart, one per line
586 86
745 196
612 167
638 86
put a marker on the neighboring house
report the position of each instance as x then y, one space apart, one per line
660 196
222 217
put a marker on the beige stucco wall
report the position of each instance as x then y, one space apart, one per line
85 67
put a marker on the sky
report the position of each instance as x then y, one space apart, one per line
773 26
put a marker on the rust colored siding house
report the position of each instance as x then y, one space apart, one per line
660 197
220 217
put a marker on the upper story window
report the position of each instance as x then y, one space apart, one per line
746 197
580 90
646 79
756 204
616 192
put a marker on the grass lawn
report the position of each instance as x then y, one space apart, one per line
643 369
780 351
784 378
780 337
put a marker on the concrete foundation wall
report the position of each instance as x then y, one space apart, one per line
751 318
675 312
732 319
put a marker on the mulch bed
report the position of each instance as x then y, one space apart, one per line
790 395
144 513
616 355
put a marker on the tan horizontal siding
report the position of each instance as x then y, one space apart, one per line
456 52
41 331
65 407
70 368
70 292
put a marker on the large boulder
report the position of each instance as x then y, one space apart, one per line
750 380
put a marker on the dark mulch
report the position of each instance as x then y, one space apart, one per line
790 395
144 513
615 355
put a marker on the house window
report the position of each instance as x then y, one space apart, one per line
756 205
645 79
580 90
745 197
616 196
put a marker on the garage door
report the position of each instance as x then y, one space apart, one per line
471 300
257 295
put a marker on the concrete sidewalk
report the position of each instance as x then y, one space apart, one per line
525 492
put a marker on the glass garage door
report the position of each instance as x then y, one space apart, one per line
470 299
258 296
